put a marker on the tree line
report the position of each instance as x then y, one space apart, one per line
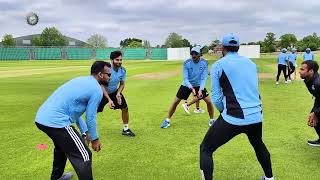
51 36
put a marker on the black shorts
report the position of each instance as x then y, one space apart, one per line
113 97
184 92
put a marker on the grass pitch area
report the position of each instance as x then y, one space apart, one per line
154 153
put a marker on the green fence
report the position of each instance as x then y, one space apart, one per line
79 53
104 54
159 54
135 53
47 53
14 54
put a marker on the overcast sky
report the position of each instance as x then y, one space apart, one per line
198 21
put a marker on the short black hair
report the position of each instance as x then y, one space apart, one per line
311 65
115 54
232 48
98 66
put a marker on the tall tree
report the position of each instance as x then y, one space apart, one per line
311 41
288 41
174 40
269 42
97 41
52 37
8 40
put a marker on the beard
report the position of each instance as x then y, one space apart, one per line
105 82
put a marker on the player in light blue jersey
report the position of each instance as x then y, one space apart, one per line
282 65
195 75
112 93
65 107
234 88
292 58
308 55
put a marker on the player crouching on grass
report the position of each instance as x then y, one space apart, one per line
195 75
309 72
112 94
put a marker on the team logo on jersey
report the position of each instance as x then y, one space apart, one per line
201 68
312 87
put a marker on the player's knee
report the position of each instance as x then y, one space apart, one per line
125 109
204 149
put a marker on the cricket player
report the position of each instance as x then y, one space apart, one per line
65 107
195 74
309 72
308 55
282 65
112 93
292 58
235 94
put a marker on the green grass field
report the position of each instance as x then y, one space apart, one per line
154 153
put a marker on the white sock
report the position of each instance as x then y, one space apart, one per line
268 178
125 127
212 119
167 119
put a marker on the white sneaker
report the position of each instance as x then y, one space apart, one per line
186 108
289 80
198 111
277 83
286 82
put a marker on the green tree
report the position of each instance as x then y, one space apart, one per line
174 40
135 44
269 44
186 43
36 41
311 41
127 41
287 41
301 46
97 41
52 37
8 40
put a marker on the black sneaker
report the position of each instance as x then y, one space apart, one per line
128 133
314 143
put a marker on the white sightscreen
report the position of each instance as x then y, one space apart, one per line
250 51
178 53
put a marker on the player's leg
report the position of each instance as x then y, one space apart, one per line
284 70
183 93
59 158
254 133
315 142
278 74
218 134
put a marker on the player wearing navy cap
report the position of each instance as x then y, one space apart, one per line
282 65
308 55
234 88
195 75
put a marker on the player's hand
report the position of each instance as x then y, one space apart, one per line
110 104
193 91
200 95
96 146
312 121
119 99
